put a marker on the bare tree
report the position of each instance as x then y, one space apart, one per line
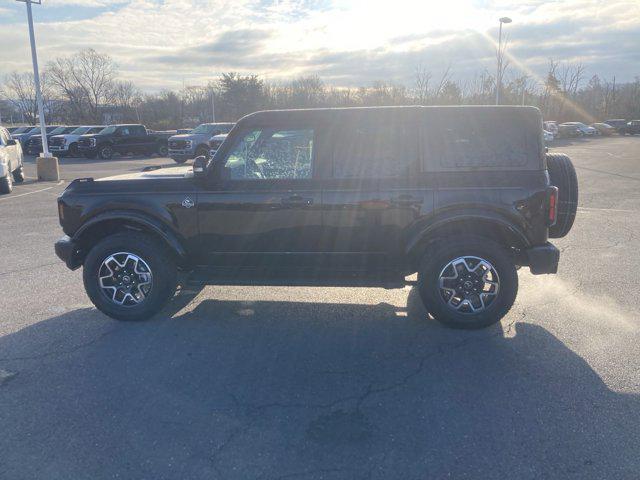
85 80
19 91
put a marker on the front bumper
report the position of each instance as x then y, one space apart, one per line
67 250
543 259
181 154
58 148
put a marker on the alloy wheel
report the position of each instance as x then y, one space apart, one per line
469 284
125 279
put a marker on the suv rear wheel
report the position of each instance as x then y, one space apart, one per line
468 283
129 276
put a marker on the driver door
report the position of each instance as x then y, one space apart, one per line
268 210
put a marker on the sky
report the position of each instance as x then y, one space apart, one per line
161 44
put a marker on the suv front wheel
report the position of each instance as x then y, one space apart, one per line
468 283
129 276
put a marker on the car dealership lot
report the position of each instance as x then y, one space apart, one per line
330 383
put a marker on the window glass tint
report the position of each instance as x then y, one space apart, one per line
272 154
455 138
375 147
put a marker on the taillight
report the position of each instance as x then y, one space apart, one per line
552 205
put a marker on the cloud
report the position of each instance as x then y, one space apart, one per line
163 43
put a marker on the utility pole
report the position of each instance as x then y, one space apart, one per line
36 77
500 55
213 106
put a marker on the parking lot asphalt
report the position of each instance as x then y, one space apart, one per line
326 383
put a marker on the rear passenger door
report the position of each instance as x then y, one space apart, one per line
373 193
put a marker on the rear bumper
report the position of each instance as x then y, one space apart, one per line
67 251
543 259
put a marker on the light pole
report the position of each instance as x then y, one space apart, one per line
36 78
500 54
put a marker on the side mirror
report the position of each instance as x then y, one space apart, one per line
200 167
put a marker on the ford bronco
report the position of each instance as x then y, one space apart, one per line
462 196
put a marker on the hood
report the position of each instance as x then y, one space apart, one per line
187 136
153 173
92 135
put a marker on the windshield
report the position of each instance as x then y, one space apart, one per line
80 130
108 130
205 128
57 130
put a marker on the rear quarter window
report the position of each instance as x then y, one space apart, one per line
481 138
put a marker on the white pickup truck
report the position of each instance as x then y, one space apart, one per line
67 144
11 168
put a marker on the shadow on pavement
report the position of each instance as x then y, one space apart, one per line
244 390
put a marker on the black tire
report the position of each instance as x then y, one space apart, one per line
157 257
563 175
6 184
438 257
180 160
18 174
162 150
73 150
105 152
202 151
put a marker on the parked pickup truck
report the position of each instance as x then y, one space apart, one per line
34 145
123 139
67 144
195 143
343 197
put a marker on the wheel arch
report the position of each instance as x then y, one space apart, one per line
106 224
490 225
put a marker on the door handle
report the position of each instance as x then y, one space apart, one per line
297 200
407 200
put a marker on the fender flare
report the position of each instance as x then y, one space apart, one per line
169 237
417 239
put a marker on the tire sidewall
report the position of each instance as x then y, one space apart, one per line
159 260
434 262
163 150
105 152
6 184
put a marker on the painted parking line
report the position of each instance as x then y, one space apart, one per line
33 191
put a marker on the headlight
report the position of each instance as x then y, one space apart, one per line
189 143
92 142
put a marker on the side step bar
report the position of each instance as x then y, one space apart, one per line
294 277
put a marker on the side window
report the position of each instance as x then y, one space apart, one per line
139 130
272 154
124 131
376 148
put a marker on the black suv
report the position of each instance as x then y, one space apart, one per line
123 139
342 197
